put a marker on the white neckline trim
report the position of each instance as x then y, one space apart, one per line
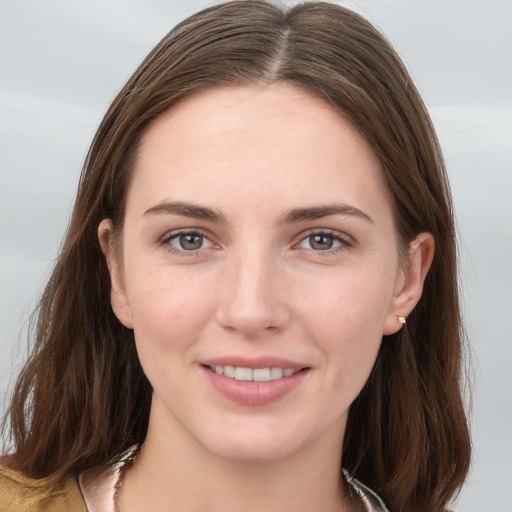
98 487
371 501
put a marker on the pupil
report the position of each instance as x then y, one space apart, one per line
321 242
191 242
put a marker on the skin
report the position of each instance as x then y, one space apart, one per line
256 284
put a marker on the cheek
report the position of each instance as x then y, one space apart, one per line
349 301
346 319
169 310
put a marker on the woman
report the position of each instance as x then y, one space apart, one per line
257 288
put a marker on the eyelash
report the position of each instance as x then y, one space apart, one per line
345 242
167 239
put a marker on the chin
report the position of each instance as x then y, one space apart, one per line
249 451
267 442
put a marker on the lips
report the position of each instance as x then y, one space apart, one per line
254 382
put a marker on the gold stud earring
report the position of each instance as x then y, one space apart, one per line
401 319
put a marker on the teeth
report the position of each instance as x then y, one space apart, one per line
229 371
261 374
276 373
243 373
250 374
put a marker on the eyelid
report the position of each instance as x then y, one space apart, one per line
173 234
346 241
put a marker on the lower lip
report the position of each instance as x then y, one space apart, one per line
254 393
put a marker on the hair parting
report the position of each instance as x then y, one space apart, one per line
82 398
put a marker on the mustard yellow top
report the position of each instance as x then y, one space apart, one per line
52 494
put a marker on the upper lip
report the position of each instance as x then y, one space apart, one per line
254 362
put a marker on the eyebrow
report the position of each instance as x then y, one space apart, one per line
187 210
318 212
292 216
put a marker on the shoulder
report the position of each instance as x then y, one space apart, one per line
18 493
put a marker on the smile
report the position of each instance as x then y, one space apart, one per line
259 382
253 374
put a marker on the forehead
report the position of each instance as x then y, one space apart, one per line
276 143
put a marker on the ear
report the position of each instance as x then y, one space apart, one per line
409 284
118 298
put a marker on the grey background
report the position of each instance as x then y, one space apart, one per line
62 62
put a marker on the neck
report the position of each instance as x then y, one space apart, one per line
174 473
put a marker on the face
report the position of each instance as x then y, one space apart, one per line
259 270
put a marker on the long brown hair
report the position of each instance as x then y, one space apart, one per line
82 397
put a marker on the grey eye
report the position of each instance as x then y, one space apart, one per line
189 241
321 242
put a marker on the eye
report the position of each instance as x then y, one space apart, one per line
188 241
323 242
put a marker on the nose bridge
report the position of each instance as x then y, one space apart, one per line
249 296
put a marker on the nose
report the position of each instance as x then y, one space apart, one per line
253 294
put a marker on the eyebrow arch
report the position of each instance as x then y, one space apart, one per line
318 212
186 210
